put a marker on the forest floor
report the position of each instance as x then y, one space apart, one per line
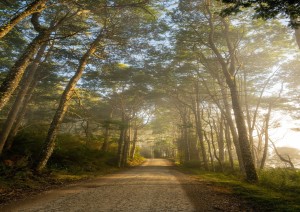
155 186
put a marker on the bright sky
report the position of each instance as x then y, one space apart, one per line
284 135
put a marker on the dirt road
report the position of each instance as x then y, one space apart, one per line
155 186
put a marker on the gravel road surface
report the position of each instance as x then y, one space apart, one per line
155 186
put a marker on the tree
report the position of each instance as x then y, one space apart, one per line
16 72
20 98
110 22
34 7
49 143
268 9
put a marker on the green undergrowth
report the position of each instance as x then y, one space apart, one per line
277 190
73 160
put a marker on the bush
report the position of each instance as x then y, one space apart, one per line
280 178
193 164
137 160
28 143
73 155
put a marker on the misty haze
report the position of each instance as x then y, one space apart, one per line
149 105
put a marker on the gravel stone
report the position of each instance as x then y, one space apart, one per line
156 186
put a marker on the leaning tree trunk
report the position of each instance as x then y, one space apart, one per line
20 116
286 160
22 111
49 142
35 6
12 116
15 74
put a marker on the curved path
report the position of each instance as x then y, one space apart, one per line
155 186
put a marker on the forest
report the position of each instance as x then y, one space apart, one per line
91 84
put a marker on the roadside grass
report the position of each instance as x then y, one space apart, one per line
278 189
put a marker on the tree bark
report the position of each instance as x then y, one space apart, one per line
288 160
105 144
121 145
15 74
228 144
230 122
221 141
35 6
210 153
104 147
266 132
199 130
228 116
229 74
133 148
22 111
49 142
126 147
214 127
12 116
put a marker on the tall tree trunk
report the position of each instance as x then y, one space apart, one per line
229 74
213 127
12 116
133 148
126 147
226 111
230 122
35 6
122 139
248 116
242 131
49 142
121 142
105 144
210 152
186 136
184 144
199 128
187 144
251 124
266 132
228 144
221 142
